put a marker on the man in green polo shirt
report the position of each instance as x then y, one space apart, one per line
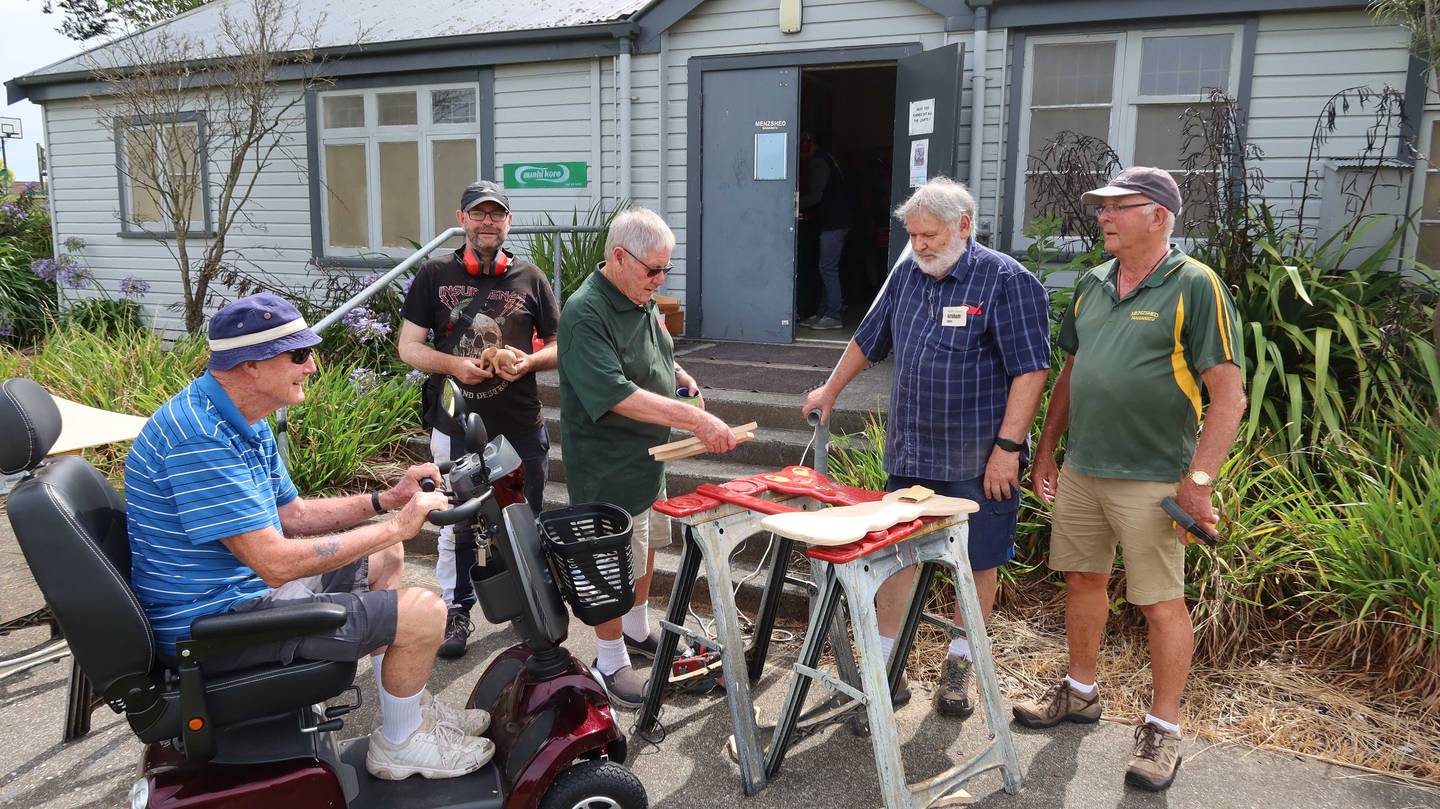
618 379
1145 333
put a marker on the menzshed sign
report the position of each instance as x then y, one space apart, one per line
546 175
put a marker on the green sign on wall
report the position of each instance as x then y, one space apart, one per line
546 175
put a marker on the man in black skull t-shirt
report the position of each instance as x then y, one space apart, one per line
475 298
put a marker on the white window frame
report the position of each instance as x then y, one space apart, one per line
1125 100
1424 172
128 225
371 135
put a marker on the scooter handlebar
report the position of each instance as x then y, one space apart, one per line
459 514
1184 520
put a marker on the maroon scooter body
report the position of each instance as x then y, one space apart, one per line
541 726
175 784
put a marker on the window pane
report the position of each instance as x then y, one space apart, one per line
345 183
399 194
455 167
182 169
1073 73
1427 252
1198 195
396 109
1159 140
140 156
1075 216
1046 124
1184 65
452 106
1431 207
344 111
1435 145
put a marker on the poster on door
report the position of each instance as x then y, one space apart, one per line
919 162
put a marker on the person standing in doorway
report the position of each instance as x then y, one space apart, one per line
476 300
825 205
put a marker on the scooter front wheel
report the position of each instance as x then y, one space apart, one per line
596 785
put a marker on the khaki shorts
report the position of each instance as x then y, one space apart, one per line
1093 514
648 530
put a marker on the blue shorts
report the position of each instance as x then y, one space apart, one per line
992 528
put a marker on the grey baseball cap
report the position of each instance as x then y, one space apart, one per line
483 191
1157 184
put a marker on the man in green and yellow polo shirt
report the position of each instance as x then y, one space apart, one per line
618 379
1145 333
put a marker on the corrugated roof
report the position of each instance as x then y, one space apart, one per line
380 20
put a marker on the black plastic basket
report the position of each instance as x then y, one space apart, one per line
589 548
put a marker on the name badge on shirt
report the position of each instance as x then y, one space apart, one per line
954 315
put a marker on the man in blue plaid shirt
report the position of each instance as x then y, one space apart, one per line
970 331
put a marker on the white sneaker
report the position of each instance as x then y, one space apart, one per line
435 750
473 721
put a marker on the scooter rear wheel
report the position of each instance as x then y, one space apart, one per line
596 785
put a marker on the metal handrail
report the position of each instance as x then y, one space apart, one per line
282 422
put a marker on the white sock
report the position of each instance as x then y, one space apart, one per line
611 656
376 664
1085 688
960 647
887 645
401 715
636 623
1162 724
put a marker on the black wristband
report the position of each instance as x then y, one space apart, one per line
1008 445
375 503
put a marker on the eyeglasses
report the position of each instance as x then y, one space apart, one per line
650 272
1101 210
477 215
300 356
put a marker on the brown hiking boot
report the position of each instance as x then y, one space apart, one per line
1059 704
953 699
1156 758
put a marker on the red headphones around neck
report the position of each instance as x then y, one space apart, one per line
474 267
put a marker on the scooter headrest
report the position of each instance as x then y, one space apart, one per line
31 425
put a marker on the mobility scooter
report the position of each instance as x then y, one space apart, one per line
264 737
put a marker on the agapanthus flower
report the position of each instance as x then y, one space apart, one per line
134 288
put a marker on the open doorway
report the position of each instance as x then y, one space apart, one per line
849 111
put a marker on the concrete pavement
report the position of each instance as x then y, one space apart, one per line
1070 766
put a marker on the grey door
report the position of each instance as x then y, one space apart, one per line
927 125
749 126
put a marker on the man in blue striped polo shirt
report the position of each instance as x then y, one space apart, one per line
216 525
970 331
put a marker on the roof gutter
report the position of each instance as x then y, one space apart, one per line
17 89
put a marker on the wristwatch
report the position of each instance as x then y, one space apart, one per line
1200 477
1008 445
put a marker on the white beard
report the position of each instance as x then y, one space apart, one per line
940 265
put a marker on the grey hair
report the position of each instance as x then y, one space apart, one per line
1169 221
941 197
639 230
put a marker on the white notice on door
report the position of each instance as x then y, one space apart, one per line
919 162
922 117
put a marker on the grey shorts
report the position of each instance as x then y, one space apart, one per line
369 625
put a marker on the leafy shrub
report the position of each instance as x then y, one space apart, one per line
349 416
579 253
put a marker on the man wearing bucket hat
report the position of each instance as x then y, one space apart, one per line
481 305
216 525
1146 331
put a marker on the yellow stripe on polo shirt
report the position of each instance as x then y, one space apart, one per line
1222 314
1183 378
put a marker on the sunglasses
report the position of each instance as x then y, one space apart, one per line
300 356
650 272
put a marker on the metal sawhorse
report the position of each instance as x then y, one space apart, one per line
857 571
714 526
717 519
